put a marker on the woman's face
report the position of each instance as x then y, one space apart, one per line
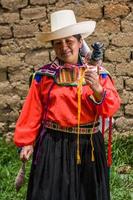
67 49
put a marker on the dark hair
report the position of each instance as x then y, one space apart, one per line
77 36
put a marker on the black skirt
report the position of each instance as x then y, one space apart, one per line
56 176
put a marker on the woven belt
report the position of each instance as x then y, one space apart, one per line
82 130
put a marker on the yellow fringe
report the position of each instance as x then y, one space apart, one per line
92 145
92 150
80 82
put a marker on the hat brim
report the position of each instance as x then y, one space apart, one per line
85 28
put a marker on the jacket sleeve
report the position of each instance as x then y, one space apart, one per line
110 102
29 121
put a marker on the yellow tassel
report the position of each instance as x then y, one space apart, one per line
91 139
80 81
92 150
78 157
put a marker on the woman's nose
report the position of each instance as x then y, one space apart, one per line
64 45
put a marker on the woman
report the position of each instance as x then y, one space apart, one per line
59 119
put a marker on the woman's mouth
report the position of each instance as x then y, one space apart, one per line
66 54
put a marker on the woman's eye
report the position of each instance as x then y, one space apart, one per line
57 43
69 42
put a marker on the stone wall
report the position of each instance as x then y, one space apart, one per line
20 52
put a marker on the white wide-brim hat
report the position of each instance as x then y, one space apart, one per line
63 24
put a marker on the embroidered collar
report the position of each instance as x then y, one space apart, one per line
65 75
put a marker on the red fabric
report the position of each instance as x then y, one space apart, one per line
103 126
62 107
109 161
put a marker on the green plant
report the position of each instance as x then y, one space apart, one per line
122 169
9 166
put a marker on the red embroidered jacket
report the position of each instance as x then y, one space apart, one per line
61 104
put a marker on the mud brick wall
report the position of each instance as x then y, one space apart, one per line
20 52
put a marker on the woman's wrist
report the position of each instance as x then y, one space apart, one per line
98 93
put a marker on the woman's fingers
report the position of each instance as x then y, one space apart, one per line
91 75
26 152
92 78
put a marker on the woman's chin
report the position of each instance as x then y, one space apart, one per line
70 60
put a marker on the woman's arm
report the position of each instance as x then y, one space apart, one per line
29 120
105 97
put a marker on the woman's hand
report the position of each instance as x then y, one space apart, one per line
26 152
92 79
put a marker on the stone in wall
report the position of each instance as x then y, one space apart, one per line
13 115
14 4
42 2
31 44
110 67
9 101
45 26
24 31
102 37
82 11
129 84
37 58
119 113
88 10
5 88
9 47
127 23
131 97
114 10
22 77
124 95
59 6
117 55
8 108
14 102
2 128
124 69
104 2
33 13
124 124
10 61
5 32
9 18
8 137
3 75
21 45
119 83
12 127
127 26
110 26
21 89
10 115
123 40
129 109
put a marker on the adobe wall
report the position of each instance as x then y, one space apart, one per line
20 52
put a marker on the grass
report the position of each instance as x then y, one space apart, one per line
9 166
122 169
121 180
